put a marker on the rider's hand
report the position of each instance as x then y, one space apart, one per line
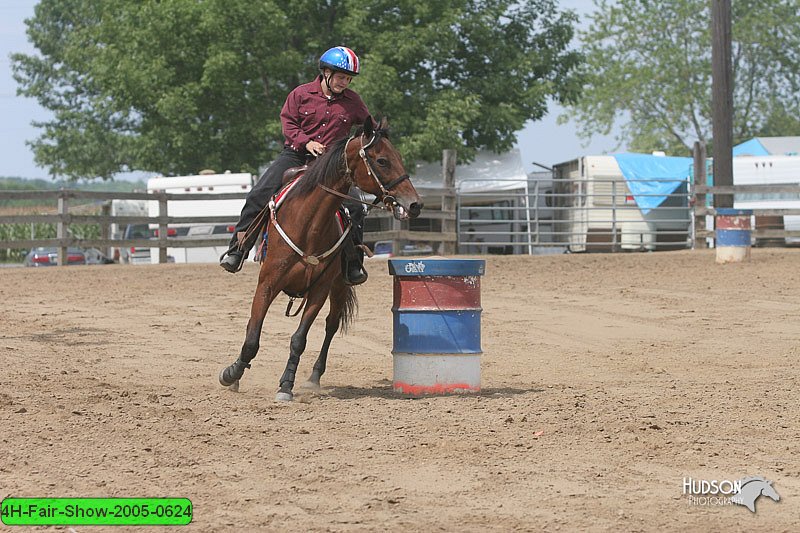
315 148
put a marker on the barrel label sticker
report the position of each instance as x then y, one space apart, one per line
417 267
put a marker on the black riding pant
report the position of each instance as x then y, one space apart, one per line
258 197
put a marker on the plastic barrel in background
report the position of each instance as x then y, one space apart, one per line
437 325
733 235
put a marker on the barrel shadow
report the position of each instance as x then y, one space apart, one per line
384 390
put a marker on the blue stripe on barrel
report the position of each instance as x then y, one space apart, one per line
437 267
437 331
735 237
730 212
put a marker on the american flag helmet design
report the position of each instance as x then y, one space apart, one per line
342 59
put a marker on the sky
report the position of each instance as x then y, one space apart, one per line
543 142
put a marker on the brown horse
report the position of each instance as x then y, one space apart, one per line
304 243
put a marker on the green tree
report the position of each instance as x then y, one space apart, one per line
648 71
178 85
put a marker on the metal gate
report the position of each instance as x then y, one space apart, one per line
540 216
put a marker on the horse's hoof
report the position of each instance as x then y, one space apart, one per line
310 385
233 387
283 397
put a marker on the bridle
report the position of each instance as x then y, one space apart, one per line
389 201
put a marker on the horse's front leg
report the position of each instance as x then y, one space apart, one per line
297 346
230 376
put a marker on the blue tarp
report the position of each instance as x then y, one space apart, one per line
670 171
751 147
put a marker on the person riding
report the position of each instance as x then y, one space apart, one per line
314 116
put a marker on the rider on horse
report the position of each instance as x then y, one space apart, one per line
314 116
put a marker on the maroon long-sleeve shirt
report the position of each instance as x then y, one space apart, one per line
308 115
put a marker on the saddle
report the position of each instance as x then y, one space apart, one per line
292 173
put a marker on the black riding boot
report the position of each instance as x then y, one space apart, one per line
256 200
232 260
352 253
353 263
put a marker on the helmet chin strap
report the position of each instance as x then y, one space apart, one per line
328 83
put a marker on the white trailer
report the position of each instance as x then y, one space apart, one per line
203 183
769 170
595 209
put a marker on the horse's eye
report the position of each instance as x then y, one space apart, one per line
382 161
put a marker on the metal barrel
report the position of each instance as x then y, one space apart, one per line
733 235
437 325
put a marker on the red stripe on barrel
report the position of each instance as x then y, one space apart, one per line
437 388
437 292
733 222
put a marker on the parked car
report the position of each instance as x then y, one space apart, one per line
134 255
386 249
96 257
383 249
49 257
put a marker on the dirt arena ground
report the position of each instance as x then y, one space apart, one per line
607 380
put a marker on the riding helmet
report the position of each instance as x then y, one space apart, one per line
340 59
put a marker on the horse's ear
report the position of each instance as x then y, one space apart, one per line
384 125
368 126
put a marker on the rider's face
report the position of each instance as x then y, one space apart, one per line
339 81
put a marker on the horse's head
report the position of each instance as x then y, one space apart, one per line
377 168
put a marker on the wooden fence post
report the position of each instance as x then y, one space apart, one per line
699 155
449 201
162 228
62 227
105 228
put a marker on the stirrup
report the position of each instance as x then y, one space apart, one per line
229 264
351 282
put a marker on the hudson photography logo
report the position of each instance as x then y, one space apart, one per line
743 491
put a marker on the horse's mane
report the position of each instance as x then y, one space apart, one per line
329 167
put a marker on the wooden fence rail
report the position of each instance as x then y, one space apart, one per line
63 219
701 211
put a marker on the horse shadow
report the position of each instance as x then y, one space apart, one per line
384 390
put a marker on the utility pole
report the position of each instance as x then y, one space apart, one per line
722 98
449 202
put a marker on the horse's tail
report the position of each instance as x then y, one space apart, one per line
349 309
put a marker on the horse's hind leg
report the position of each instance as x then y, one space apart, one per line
298 344
341 306
331 327
230 376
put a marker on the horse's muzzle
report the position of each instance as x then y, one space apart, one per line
402 213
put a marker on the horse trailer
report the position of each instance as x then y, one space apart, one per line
203 184
769 170
597 207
